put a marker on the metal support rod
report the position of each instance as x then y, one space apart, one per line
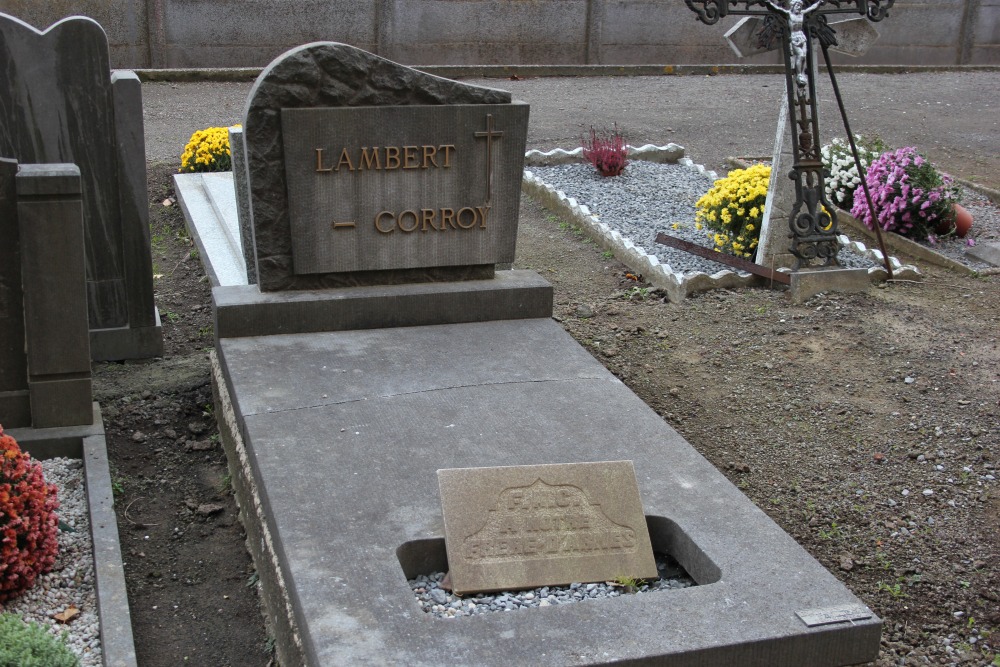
857 161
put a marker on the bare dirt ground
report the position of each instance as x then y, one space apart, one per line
865 425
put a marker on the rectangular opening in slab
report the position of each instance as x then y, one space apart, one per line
680 563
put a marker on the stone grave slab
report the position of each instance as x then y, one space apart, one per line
66 106
517 527
985 252
335 441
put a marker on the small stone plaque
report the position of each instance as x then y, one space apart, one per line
518 527
402 187
830 615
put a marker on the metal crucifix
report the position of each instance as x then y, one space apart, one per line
813 220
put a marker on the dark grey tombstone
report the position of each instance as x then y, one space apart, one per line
323 76
63 105
57 342
15 407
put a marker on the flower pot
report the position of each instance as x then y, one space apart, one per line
960 223
963 221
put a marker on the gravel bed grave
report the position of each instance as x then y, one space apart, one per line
71 581
444 604
649 198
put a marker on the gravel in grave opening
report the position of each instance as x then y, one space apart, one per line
443 604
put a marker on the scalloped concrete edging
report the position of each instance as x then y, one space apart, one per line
89 443
901 244
677 286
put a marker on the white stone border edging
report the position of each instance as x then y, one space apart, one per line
661 276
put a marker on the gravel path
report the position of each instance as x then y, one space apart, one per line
71 581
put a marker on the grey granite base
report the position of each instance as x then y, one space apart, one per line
334 440
88 443
809 282
123 343
243 310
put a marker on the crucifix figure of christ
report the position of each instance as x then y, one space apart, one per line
812 222
798 42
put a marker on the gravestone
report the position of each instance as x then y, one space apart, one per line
365 172
394 365
530 526
15 408
64 105
45 376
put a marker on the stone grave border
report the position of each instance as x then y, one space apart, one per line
89 444
678 286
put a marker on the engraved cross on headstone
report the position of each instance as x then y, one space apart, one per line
812 221
490 134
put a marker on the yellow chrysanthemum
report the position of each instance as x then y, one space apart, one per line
733 208
208 150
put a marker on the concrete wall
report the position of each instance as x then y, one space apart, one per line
247 33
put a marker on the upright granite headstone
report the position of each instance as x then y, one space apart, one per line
15 408
63 105
44 343
364 172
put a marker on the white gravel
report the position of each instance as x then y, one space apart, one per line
71 581
649 198
442 603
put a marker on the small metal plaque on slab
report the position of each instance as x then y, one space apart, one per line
518 527
830 615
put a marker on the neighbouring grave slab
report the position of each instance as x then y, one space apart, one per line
66 106
985 252
518 527
336 439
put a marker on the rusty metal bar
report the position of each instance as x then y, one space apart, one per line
723 258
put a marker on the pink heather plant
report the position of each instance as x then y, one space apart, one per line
910 196
607 151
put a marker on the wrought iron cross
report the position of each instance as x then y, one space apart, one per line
813 220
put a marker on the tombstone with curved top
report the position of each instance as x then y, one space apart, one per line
62 104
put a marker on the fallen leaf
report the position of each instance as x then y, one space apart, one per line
68 615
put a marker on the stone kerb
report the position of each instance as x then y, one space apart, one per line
328 74
677 286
